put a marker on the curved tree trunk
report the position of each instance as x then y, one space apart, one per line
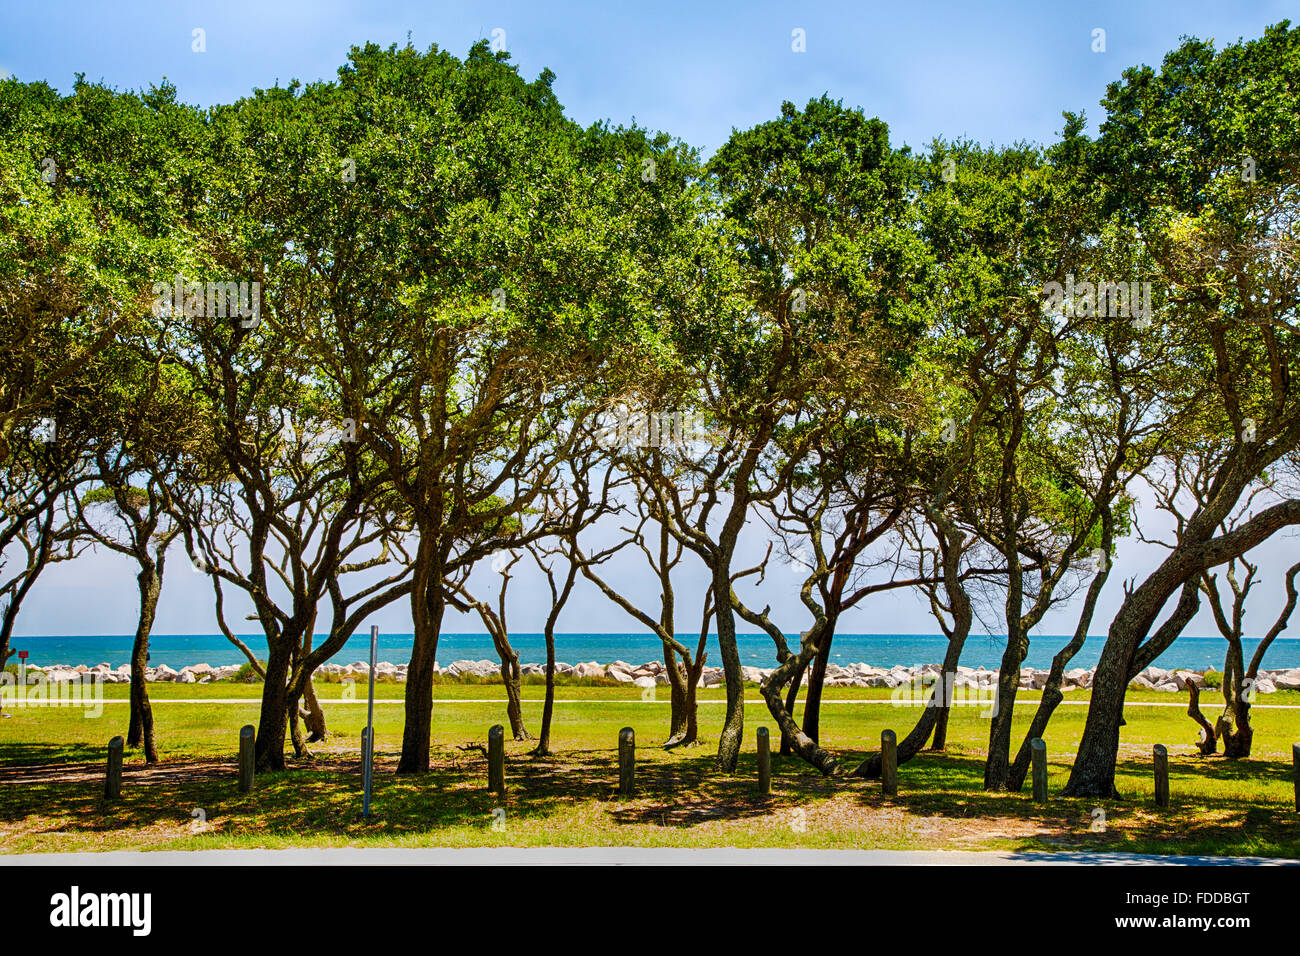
812 707
935 715
314 714
543 748
1209 742
1093 773
677 681
140 727
1233 725
510 673
801 744
791 699
1052 695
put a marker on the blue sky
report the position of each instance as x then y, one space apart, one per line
993 72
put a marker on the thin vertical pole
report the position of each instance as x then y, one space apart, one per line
1038 766
1160 756
247 758
497 759
626 761
1295 762
368 745
889 763
113 779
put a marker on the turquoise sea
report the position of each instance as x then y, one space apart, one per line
882 650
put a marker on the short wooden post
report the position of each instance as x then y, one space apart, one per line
497 759
1295 763
1038 753
1162 774
764 762
246 758
626 761
113 780
889 763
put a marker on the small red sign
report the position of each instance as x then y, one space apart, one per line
22 655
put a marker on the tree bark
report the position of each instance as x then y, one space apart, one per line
677 698
543 748
1233 725
812 706
997 768
1209 742
427 602
140 726
791 699
733 725
314 714
273 720
1093 773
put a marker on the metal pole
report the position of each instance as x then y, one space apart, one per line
368 746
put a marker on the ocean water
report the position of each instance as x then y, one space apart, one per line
881 650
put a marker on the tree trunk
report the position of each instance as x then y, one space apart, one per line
801 744
935 716
1209 742
816 680
1093 773
997 768
427 606
1052 695
733 725
140 727
694 670
543 748
510 674
294 716
939 742
1233 725
273 720
692 713
314 714
677 698
791 699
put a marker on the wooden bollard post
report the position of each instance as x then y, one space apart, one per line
1295 763
888 763
113 780
764 762
497 759
626 761
1161 756
1038 754
246 758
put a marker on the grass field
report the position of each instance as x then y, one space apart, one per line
52 759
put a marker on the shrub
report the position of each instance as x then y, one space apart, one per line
246 674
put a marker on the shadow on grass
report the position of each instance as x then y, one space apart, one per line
34 755
60 792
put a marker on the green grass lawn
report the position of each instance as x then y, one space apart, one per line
51 780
